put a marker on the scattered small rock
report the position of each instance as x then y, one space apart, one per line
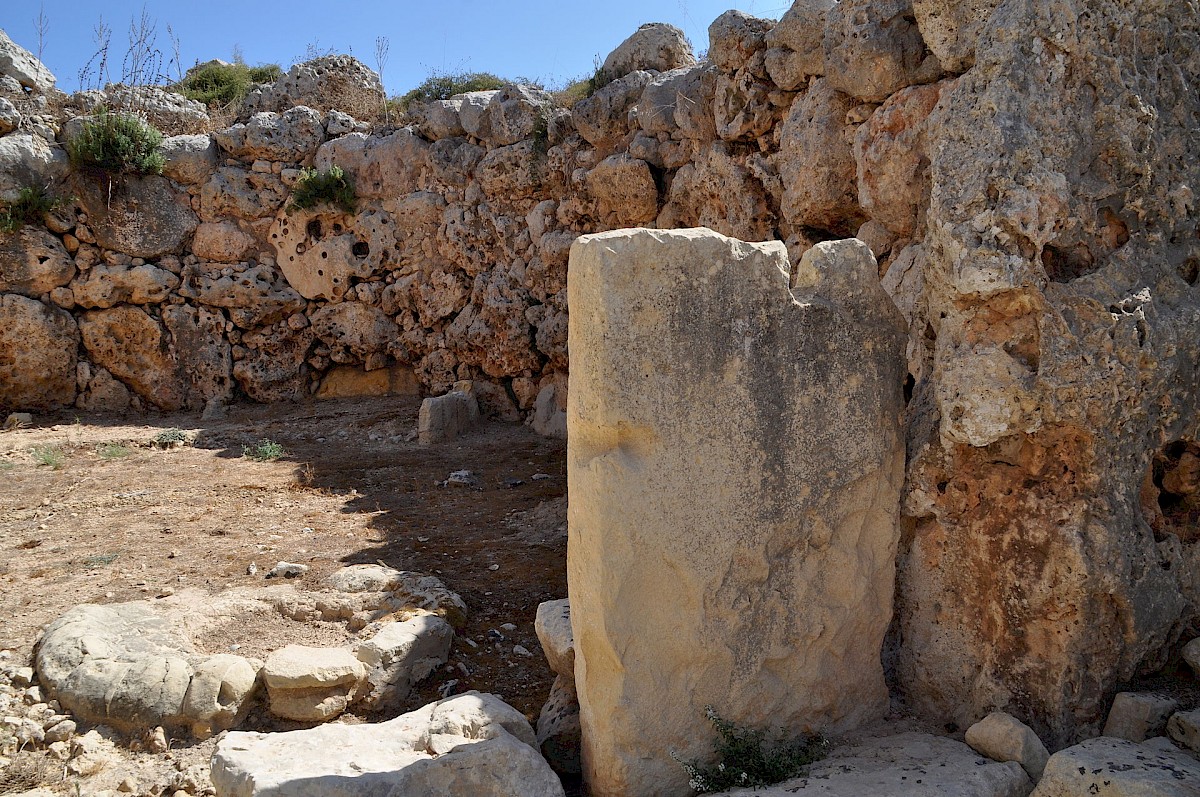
286 570
462 478
18 420
540 477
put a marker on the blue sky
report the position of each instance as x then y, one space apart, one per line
545 40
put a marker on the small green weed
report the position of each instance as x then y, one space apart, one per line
6 465
103 560
51 456
744 759
113 144
264 451
31 202
170 438
113 451
330 187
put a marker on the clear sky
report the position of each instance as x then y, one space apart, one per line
539 39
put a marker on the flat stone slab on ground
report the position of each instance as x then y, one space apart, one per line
472 745
904 765
1108 767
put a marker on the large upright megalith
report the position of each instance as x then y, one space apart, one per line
735 461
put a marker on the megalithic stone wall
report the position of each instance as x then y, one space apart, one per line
735 460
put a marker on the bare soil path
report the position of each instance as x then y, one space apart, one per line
92 512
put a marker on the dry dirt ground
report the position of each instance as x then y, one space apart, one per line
92 512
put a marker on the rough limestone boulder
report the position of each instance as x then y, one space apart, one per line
655 46
603 118
141 216
135 348
471 745
327 81
290 136
101 287
1184 728
624 189
735 37
203 355
950 28
796 45
27 159
38 346
240 194
223 242
310 684
717 191
447 417
903 765
874 48
1002 737
383 591
381 167
10 117
355 332
19 64
685 341
1054 358
1116 767
128 666
552 625
33 262
1137 716
513 113
190 160
816 161
400 655
321 250
892 155
255 297
272 367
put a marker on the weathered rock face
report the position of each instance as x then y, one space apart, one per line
105 286
141 217
290 136
190 160
38 347
33 262
1054 350
802 589
26 160
654 46
253 297
134 347
19 64
320 251
873 48
318 82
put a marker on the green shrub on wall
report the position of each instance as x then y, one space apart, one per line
221 84
330 187
115 144
443 86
